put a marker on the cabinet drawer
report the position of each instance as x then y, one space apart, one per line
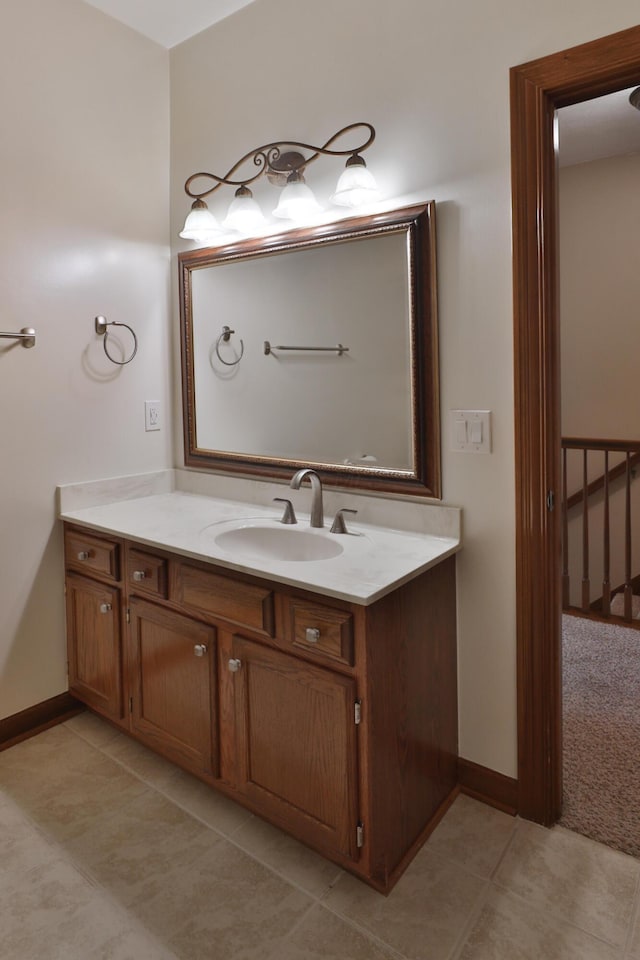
147 574
242 603
323 631
87 553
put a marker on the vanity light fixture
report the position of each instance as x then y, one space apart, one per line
200 224
284 168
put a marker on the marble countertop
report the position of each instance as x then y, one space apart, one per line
374 560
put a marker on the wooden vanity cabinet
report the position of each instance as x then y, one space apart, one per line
94 637
335 721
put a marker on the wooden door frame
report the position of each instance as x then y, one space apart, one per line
538 88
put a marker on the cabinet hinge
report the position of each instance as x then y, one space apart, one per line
357 711
130 704
128 615
360 834
551 500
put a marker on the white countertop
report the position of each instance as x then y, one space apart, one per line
374 561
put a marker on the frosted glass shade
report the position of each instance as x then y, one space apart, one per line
297 202
244 214
356 186
200 225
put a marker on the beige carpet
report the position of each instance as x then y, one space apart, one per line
601 736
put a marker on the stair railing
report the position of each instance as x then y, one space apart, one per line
630 451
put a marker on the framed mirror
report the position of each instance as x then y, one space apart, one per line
316 348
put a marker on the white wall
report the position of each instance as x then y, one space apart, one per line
599 206
83 231
599 230
433 79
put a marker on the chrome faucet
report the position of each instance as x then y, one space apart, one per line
317 514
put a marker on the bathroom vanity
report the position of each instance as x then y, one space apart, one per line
321 695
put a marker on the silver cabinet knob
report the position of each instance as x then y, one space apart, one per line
83 555
138 575
200 649
105 608
312 634
234 665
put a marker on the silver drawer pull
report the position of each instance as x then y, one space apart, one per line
234 665
105 608
83 555
312 634
138 575
200 649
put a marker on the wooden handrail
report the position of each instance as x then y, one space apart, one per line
580 443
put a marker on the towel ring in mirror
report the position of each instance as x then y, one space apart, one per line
101 329
225 336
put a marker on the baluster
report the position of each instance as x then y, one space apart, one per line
565 535
586 586
628 605
606 582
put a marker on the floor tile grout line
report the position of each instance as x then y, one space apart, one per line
514 831
320 898
366 930
472 920
85 874
227 837
287 936
519 827
317 898
348 921
546 909
319 901
104 892
363 930
635 917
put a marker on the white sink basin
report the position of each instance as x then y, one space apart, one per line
261 542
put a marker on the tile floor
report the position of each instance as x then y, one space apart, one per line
108 852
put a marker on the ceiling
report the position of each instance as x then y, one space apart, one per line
605 127
169 22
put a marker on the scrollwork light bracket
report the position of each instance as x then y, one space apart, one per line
278 162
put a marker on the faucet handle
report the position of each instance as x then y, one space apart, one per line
338 525
289 515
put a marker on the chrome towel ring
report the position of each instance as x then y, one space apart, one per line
225 336
101 329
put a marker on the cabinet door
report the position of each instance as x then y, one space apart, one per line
94 647
297 744
172 662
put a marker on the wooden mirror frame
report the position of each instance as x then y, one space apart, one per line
538 88
418 221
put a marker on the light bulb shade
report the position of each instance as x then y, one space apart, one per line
244 214
356 186
297 202
200 225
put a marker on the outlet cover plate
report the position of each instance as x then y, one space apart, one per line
152 415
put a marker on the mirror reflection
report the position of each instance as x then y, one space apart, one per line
316 348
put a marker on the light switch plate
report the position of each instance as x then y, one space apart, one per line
471 431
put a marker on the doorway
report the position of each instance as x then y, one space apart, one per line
538 88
